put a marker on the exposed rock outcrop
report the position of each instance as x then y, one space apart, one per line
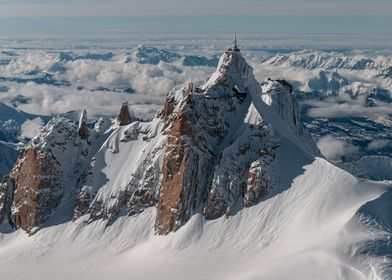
83 128
124 117
132 183
189 89
45 173
37 189
260 179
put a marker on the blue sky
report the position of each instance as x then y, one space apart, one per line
360 23
269 31
72 8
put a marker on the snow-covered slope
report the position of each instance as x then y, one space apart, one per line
224 183
306 229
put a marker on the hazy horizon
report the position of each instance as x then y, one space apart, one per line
44 8
329 32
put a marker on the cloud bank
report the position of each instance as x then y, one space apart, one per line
31 128
98 86
334 149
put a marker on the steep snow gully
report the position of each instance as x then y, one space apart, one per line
270 208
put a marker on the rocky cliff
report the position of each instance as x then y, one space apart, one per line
43 172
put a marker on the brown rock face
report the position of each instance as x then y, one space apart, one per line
83 128
168 108
197 126
124 117
37 189
46 172
83 131
180 172
189 89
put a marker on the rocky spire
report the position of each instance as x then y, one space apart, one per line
124 117
83 128
202 143
189 88
235 46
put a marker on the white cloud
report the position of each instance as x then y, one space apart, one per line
378 144
150 82
328 110
334 149
31 128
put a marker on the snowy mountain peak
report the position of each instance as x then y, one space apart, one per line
232 66
220 139
211 151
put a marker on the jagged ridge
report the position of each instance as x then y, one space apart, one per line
209 151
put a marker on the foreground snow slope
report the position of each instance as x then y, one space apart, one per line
307 231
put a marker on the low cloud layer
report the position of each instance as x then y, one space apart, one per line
100 80
334 149
30 128
335 110
95 85
378 144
